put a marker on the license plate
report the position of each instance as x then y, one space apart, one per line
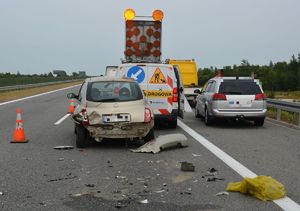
116 118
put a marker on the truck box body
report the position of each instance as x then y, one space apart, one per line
189 73
188 70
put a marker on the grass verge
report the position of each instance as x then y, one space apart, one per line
16 94
286 116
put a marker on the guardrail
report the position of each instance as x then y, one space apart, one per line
283 105
25 86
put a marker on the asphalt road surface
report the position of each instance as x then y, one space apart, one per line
108 176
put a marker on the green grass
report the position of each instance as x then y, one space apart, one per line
11 81
284 95
286 116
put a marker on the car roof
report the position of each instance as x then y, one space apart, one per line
108 78
218 78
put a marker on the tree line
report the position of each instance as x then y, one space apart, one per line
280 76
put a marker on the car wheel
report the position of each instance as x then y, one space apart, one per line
81 137
259 122
197 115
207 118
150 136
172 124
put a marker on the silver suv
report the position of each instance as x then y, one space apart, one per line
111 108
231 97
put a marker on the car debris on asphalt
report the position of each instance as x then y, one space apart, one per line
222 193
212 170
213 179
144 201
63 147
90 185
163 142
186 166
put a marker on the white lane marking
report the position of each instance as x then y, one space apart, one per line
62 119
285 203
38 95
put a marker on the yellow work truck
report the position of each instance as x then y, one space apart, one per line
189 73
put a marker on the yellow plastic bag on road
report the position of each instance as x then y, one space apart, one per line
262 187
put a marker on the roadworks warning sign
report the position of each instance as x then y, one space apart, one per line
158 93
157 77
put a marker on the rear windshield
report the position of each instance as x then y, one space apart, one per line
239 87
113 91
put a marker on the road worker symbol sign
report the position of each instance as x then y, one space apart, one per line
137 73
158 77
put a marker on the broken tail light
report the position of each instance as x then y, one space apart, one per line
85 119
261 96
219 96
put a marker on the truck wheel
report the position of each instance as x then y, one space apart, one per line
207 118
259 122
150 136
172 124
81 137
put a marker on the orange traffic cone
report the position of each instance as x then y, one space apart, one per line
72 106
19 134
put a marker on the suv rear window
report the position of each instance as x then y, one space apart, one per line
113 91
239 87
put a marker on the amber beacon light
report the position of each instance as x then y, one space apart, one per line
158 15
129 14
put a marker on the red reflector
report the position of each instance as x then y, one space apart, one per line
218 96
260 97
175 98
175 91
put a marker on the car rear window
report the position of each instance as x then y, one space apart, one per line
239 87
113 91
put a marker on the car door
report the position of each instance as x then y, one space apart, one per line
180 92
201 99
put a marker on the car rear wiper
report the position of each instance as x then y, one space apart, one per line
108 100
233 93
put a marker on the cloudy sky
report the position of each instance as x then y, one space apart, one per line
37 36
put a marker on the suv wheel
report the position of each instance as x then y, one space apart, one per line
172 124
149 136
259 122
197 115
81 137
207 118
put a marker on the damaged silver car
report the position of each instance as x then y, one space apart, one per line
111 108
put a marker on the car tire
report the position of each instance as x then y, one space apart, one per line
207 118
197 115
150 136
172 124
259 122
81 137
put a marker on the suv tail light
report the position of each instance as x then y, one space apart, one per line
175 95
260 96
85 119
148 115
219 96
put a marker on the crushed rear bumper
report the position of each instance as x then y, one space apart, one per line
120 130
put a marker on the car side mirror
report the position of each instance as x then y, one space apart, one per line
197 91
72 96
